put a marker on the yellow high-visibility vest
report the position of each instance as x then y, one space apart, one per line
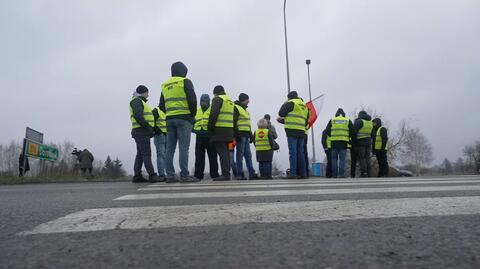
147 115
340 131
201 119
243 122
366 130
225 118
379 140
262 142
175 97
161 121
297 118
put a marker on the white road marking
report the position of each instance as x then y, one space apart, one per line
185 195
299 185
309 181
228 214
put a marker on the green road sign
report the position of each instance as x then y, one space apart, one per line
41 151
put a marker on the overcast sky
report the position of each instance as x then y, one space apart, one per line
68 68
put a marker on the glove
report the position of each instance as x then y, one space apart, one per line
151 132
157 131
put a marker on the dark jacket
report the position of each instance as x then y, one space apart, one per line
339 144
85 159
324 139
236 115
180 70
383 134
357 125
146 130
286 108
219 134
265 155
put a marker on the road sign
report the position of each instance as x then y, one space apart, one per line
34 135
40 151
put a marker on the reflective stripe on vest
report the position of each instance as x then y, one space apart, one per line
340 131
175 97
201 119
161 122
243 123
147 115
379 140
297 118
225 118
262 143
366 130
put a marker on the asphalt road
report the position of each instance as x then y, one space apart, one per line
316 223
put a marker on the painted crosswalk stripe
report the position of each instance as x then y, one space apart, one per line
185 195
303 185
228 214
308 181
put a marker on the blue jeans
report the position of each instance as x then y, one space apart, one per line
296 151
243 151
178 130
265 169
338 162
161 146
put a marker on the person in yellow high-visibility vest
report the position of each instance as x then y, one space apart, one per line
179 102
143 124
340 130
294 115
160 140
264 145
380 141
243 136
327 147
362 144
202 142
221 124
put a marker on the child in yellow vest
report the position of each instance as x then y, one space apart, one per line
264 145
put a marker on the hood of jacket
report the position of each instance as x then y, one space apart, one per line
340 112
179 69
378 122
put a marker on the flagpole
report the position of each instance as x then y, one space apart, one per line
310 95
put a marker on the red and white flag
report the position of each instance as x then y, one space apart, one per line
315 106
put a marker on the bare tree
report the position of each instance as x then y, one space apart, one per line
472 152
416 149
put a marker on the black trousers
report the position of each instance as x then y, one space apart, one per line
202 145
328 170
382 163
363 157
353 161
144 156
224 154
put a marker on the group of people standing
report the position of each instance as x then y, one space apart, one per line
222 127
361 137
224 132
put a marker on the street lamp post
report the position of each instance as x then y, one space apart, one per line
286 44
310 96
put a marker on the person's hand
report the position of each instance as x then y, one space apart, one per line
151 132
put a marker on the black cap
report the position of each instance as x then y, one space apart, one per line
141 89
292 94
243 97
218 90
267 117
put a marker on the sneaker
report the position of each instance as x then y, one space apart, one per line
241 178
139 179
254 176
154 178
222 178
188 179
171 180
